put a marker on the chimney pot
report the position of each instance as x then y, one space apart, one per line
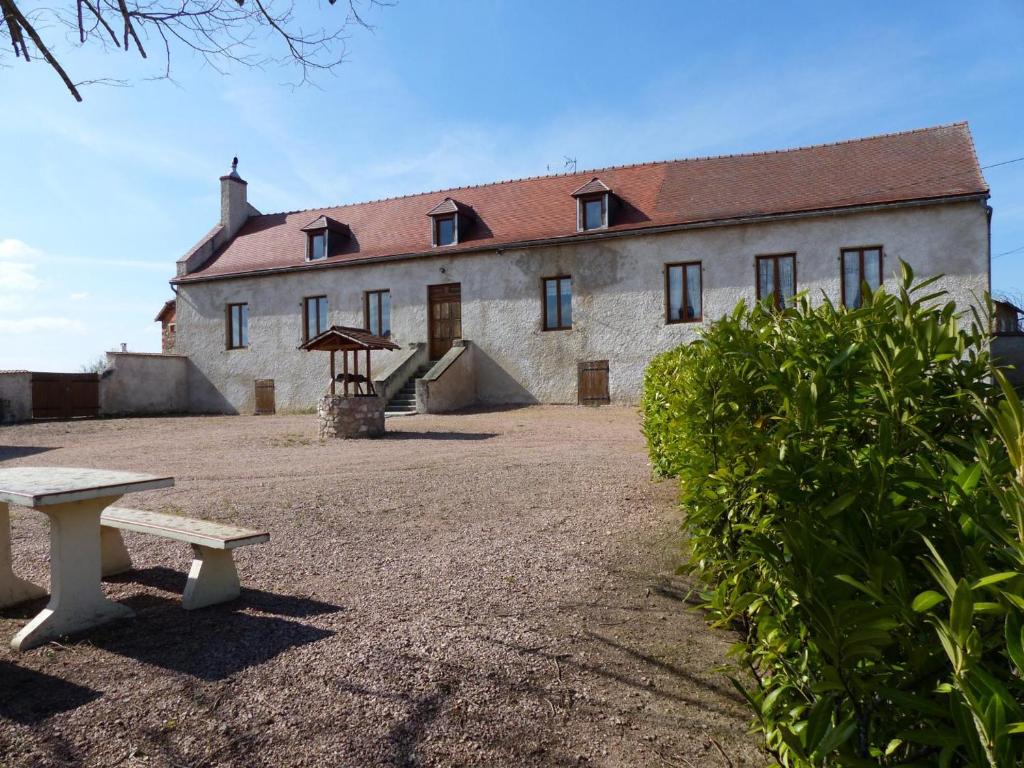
234 206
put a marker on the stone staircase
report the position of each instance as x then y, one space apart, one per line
404 401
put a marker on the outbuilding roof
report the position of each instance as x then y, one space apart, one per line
165 310
925 164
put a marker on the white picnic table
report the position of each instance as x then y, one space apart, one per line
73 499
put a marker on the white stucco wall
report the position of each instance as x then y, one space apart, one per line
618 301
15 396
139 384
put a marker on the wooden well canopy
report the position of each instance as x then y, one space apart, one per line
339 338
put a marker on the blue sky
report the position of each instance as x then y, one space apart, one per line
97 200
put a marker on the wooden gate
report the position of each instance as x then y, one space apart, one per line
264 397
65 395
593 383
445 317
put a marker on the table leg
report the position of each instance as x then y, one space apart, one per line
13 590
76 596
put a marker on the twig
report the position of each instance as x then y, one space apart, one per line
721 751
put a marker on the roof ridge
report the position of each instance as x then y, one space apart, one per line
586 171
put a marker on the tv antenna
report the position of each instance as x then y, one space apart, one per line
568 165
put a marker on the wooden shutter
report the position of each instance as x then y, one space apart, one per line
593 383
264 397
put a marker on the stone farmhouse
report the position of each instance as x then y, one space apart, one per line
560 289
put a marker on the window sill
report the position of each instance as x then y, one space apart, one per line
685 322
554 330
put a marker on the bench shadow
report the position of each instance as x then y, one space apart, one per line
8 452
29 697
170 580
398 434
211 643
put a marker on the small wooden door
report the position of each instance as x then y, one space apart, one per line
593 383
445 317
65 395
264 397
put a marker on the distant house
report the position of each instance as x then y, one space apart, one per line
561 288
1007 318
167 326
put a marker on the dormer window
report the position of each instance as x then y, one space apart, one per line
449 222
324 238
318 246
593 202
444 230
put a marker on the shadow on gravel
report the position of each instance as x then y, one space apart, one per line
29 697
21 451
397 434
406 734
211 643
170 580
603 670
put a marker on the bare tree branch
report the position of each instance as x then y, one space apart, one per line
222 32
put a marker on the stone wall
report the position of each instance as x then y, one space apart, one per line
1008 350
351 417
618 301
15 396
143 383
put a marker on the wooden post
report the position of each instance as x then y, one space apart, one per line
344 357
332 373
369 381
355 368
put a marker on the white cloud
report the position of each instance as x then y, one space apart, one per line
42 325
79 296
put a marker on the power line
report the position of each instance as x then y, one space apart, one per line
1007 253
1005 162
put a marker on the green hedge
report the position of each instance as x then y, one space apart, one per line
851 482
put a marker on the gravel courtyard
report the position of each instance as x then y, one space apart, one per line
485 589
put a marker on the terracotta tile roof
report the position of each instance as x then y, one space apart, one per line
928 163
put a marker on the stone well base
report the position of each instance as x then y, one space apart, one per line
347 417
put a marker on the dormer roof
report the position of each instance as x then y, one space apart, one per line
446 206
593 187
324 222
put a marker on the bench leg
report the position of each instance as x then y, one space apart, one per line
213 578
113 553
13 589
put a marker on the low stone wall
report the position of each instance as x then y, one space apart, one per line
143 383
15 396
403 365
1009 351
351 417
451 383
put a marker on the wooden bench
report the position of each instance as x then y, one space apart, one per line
213 577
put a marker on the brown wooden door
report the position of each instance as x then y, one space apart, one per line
264 397
65 395
593 383
445 317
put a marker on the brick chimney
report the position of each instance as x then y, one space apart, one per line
234 208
